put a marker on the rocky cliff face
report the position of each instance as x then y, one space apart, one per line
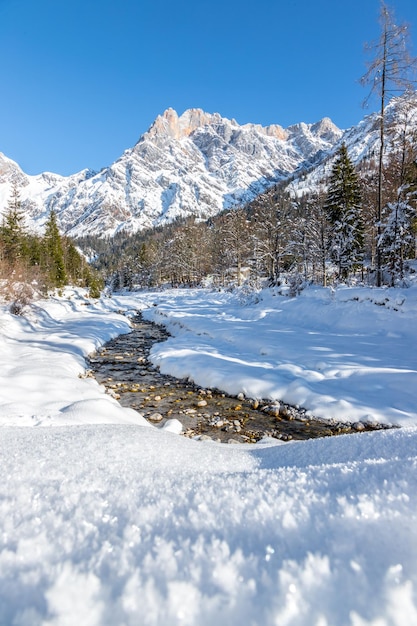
197 163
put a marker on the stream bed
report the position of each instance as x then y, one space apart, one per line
122 365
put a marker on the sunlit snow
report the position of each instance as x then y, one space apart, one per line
106 520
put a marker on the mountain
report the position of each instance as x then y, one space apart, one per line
363 141
197 163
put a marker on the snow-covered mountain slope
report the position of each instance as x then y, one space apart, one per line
37 193
363 142
196 163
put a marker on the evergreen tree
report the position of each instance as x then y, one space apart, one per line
397 237
343 208
397 229
12 230
54 252
391 71
74 262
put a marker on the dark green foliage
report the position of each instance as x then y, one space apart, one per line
343 207
12 231
40 262
54 253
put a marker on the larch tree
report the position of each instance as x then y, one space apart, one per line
343 209
391 71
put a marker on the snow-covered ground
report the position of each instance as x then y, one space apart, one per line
108 521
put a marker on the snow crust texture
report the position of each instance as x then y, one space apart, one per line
341 354
127 525
107 521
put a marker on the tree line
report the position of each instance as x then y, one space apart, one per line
328 235
358 223
33 264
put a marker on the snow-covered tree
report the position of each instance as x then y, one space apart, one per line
270 230
234 242
398 220
397 237
343 208
391 70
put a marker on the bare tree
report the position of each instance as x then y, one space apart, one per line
270 224
391 70
399 212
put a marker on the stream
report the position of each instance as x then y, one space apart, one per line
122 365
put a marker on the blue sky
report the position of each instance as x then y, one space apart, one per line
83 79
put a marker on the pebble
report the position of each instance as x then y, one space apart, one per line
252 424
156 417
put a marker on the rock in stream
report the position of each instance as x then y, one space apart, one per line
123 367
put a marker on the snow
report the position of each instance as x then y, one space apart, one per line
106 520
342 354
197 164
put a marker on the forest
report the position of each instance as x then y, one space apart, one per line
31 264
328 236
344 221
334 234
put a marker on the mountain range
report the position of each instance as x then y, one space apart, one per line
194 164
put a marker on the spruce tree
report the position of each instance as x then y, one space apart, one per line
343 208
12 230
54 252
74 262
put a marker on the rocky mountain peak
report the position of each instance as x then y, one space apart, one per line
172 125
196 163
326 129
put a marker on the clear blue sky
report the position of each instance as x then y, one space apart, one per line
81 80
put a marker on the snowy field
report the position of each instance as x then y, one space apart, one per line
106 521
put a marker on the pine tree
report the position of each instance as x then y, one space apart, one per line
397 236
343 208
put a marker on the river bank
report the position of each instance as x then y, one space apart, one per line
123 366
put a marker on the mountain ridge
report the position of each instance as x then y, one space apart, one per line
196 163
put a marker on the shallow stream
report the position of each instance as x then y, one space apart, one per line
123 367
